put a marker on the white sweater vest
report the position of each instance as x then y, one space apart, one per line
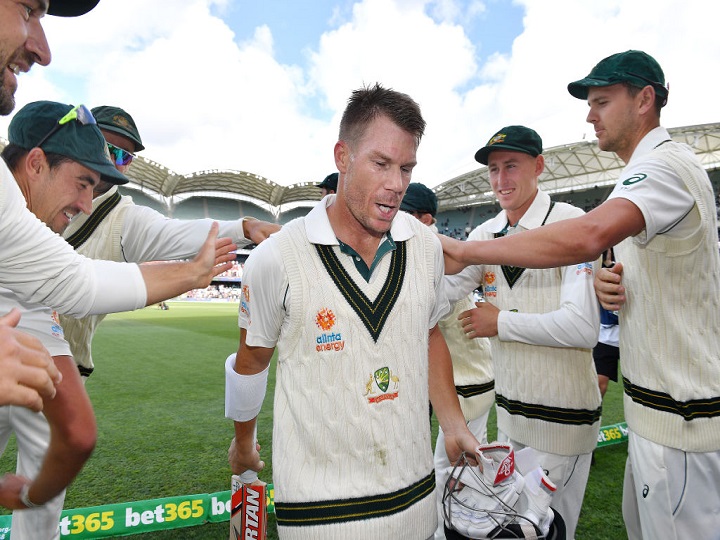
103 244
670 324
472 364
352 453
547 397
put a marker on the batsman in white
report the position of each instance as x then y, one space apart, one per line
351 295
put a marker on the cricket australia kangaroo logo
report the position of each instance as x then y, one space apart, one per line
382 385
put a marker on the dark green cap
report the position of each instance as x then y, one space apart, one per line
419 198
514 138
71 8
117 120
82 143
330 182
634 67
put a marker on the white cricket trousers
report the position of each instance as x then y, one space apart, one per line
670 494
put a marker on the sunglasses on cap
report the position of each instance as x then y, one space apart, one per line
120 156
80 113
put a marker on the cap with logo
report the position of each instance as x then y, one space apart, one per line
330 182
513 138
117 120
419 198
71 8
80 142
637 68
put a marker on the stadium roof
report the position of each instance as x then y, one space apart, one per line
577 166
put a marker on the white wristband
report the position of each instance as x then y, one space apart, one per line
244 394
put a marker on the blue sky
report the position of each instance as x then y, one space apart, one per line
260 86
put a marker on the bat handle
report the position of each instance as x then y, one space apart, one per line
249 476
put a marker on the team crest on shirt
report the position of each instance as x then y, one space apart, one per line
382 385
55 327
328 340
489 286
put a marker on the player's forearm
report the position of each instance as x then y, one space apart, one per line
170 279
442 386
73 434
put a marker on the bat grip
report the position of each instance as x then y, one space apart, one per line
249 476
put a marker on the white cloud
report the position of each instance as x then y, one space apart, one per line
203 98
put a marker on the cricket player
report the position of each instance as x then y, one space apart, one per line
56 166
119 230
661 218
351 295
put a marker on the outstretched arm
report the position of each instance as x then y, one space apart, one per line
170 279
571 241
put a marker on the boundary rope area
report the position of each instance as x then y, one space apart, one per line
121 519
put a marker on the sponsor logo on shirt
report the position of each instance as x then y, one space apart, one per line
327 341
489 288
55 327
245 301
634 179
382 385
584 268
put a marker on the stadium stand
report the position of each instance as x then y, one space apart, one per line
578 172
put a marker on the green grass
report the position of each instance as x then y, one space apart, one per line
158 393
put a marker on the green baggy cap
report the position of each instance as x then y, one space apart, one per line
117 120
71 8
330 182
514 138
419 198
634 67
83 143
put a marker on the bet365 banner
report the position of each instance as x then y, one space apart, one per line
142 516
186 511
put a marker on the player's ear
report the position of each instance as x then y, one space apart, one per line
342 156
35 160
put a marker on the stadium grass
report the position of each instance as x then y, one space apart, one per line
158 394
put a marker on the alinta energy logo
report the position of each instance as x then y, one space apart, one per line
327 341
489 288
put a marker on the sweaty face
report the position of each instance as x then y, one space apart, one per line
613 115
377 171
61 193
22 43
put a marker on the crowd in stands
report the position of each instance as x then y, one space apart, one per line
230 292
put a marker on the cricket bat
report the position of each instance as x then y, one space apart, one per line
248 507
